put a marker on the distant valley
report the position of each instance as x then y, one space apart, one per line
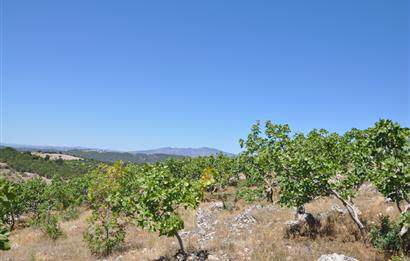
141 156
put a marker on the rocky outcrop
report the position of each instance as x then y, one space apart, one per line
243 221
336 257
206 222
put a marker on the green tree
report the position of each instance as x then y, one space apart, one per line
7 196
304 166
151 195
105 229
4 238
389 147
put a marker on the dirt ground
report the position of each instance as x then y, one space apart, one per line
254 231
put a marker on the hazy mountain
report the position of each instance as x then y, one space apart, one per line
189 152
23 147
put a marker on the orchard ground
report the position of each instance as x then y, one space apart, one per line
242 231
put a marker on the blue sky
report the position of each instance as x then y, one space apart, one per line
131 75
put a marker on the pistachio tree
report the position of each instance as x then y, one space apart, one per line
150 196
4 238
8 203
7 196
263 155
389 146
305 166
106 229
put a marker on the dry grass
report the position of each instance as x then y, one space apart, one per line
264 241
55 156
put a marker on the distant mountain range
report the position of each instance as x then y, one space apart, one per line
142 156
187 152
21 147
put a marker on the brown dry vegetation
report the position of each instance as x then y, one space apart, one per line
55 156
265 240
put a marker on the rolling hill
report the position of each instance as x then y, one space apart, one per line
187 152
111 156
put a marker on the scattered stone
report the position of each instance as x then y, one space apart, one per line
233 181
199 255
206 224
212 257
218 205
119 258
242 221
184 234
305 224
14 246
336 257
73 228
293 222
258 206
338 209
388 200
403 231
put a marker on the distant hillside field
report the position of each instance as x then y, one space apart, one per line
55 156
109 156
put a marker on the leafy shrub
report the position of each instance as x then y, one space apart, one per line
104 235
207 179
7 197
71 213
249 194
105 232
4 238
386 237
48 222
31 195
151 196
398 258
8 203
223 167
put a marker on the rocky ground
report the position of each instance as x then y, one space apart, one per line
257 231
11 174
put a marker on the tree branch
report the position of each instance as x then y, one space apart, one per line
351 209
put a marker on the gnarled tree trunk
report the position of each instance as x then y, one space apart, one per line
353 211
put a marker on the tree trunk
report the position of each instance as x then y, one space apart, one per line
405 228
398 206
181 244
269 194
13 221
351 209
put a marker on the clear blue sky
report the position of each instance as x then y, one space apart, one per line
134 75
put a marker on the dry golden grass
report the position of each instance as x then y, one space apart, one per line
265 241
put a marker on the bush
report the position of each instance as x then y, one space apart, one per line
4 238
249 194
104 235
48 223
386 237
71 213
105 231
